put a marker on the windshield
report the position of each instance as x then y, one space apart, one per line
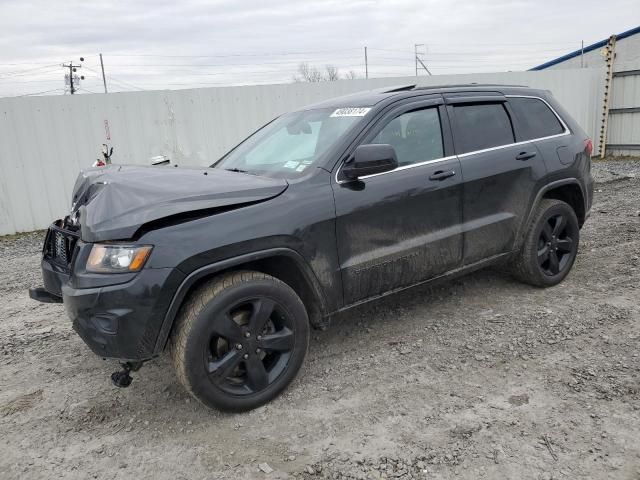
291 144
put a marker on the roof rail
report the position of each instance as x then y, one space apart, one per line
460 85
397 88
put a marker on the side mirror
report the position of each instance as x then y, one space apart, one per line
370 159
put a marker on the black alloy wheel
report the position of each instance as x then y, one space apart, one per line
239 340
250 346
550 245
556 245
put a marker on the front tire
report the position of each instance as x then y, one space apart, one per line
240 340
550 245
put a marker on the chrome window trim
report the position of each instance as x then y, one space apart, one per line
398 169
564 125
515 144
567 131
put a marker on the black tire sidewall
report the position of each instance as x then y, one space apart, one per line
198 338
542 278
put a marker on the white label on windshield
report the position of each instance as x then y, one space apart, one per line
351 112
291 164
301 168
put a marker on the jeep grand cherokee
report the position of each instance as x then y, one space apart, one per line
320 210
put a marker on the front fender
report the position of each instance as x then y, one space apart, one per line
216 267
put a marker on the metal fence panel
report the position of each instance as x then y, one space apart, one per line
47 140
624 113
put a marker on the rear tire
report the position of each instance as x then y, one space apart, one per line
239 340
550 245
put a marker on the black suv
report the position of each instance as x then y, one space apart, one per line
318 211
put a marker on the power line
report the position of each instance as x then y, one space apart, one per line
40 93
252 64
30 81
122 82
409 58
474 44
20 73
184 70
234 54
24 63
247 72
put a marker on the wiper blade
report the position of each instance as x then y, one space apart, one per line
248 172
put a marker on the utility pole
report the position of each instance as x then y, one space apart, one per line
104 79
72 76
366 64
418 57
582 54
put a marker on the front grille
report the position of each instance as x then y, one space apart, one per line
59 245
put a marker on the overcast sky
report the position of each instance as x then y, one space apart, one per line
157 44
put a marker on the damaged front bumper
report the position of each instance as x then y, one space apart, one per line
121 321
42 295
117 315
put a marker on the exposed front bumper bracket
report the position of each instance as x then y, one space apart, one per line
42 295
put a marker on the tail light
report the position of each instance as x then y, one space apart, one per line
588 146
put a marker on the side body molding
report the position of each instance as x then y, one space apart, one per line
213 268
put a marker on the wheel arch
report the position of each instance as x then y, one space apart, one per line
568 190
572 194
284 264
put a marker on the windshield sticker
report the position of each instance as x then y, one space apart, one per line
307 162
351 112
301 168
291 164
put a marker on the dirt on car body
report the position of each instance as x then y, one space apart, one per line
481 377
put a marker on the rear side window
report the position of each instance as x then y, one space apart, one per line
481 126
535 117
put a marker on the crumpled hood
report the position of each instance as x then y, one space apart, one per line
115 201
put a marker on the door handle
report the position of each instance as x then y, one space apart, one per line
442 174
525 155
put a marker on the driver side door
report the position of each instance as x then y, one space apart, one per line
398 228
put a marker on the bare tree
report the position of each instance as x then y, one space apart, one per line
331 73
308 73
351 75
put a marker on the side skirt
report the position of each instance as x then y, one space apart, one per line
458 272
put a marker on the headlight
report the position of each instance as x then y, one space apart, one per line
117 258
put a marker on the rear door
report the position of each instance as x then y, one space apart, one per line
539 123
500 174
401 227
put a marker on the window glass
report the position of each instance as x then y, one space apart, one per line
536 118
481 126
292 144
415 136
284 146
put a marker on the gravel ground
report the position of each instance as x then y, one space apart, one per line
480 378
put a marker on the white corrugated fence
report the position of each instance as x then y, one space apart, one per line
45 141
